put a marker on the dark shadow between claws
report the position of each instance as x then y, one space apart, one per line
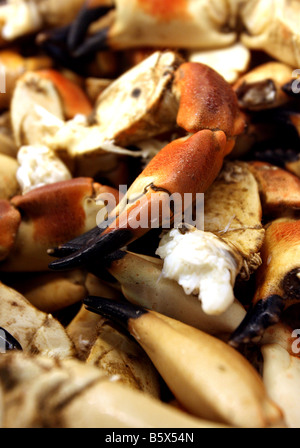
259 317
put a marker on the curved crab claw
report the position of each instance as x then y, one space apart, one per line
44 217
278 280
186 166
183 166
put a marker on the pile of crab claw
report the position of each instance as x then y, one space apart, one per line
149 214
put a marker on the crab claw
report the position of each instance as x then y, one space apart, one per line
278 280
186 166
149 201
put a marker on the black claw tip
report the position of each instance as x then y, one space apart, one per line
96 249
76 244
93 44
120 313
82 22
8 342
259 317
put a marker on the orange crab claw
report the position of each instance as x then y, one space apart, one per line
278 280
279 189
206 101
188 165
44 217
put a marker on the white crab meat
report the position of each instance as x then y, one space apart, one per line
202 264
39 166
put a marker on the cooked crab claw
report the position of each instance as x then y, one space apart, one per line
197 381
169 184
202 154
8 342
278 281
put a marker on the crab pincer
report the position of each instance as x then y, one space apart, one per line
123 24
209 113
278 280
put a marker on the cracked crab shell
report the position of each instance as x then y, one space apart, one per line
37 332
21 17
233 212
142 284
49 90
71 394
140 103
106 347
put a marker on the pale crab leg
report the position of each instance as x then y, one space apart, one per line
208 377
186 165
278 280
142 284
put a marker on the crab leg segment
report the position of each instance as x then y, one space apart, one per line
207 377
278 280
